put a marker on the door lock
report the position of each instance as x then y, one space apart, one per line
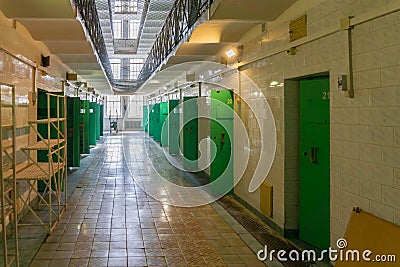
222 138
313 155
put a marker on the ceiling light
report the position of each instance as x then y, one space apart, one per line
230 53
274 83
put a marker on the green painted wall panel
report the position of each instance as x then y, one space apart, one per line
190 132
314 211
221 133
173 127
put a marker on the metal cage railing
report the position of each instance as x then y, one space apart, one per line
178 25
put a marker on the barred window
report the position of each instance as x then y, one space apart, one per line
113 106
116 67
126 7
117 25
133 29
135 66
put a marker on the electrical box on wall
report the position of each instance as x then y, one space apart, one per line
342 83
72 76
266 199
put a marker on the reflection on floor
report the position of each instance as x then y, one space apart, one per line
110 221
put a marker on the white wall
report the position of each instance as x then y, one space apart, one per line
17 43
365 131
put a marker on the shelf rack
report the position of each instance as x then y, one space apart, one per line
8 181
52 173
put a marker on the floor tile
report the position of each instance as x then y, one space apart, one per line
137 261
112 222
40 263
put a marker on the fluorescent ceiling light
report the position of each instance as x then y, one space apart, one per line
230 53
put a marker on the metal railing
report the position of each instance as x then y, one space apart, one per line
88 14
178 25
146 5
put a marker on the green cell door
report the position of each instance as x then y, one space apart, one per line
97 117
151 120
315 162
43 109
190 132
156 123
101 120
42 113
73 133
164 124
84 127
173 125
93 123
221 133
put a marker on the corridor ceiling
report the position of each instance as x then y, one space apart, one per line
54 23
228 21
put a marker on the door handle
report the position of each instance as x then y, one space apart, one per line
191 129
313 155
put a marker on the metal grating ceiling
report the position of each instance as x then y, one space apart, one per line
158 11
152 22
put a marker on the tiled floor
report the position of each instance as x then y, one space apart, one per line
110 221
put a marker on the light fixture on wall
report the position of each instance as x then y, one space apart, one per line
273 83
45 61
230 53
234 52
